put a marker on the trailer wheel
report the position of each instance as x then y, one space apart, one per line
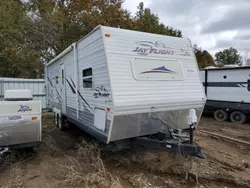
65 123
57 120
220 115
54 118
61 123
238 117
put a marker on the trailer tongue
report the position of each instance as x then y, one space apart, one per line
183 147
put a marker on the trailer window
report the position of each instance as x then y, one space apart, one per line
62 77
57 80
248 86
87 78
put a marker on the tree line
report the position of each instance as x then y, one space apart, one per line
32 32
228 56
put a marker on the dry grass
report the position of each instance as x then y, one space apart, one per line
86 169
81 168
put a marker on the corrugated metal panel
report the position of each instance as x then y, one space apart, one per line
123 45
37 86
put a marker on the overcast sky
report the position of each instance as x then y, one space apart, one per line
212 24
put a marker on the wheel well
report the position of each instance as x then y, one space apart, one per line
223 109
229 111
242 111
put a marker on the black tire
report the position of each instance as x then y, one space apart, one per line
59 123
238 117
30 150
62 124
57 119
54 120
65 123
220 115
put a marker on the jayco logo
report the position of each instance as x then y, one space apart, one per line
184 52
147 47
24 108
153 48
101 92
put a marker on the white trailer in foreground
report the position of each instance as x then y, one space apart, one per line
20 120
228 92
126 87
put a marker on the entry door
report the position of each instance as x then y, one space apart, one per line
62 89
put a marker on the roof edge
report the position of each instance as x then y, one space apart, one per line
225 68
68 49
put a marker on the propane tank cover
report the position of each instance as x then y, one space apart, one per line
192 117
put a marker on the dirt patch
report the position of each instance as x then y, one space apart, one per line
74 159
226 128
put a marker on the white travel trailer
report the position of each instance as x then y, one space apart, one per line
227 90
122 86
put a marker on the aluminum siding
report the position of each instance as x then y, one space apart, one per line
90 54
131 96
54 95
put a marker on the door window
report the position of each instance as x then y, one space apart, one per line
62 77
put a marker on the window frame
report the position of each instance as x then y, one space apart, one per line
62 74
87 77
57 79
